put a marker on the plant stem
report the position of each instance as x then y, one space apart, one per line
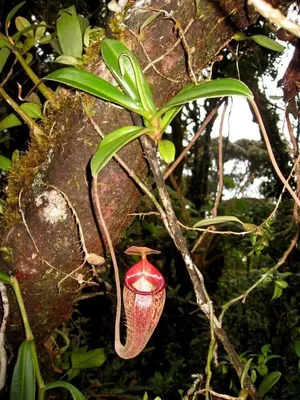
16 288
33 126
29 336
46 92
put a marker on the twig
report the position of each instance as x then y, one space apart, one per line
3 356
214 210
220 396
270 151
197 279
160 58
280 262
196 136
275 16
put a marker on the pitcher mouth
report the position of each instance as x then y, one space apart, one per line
143 278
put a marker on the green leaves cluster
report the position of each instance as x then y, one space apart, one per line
136 96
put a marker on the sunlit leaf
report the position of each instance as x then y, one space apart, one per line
113 142
111 50
40 30
268 382
68 60
4 54
5 163
90 83
69 32
12 13
211 89
217 220
267 42
22 23
167 150
76 394
127 71
23 384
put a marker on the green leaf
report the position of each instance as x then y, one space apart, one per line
12 13
32 109
277 292
167 150
23 383
47 39
28 58
76 394
145 397
3 42
28 44
69 32
253 376
4 278
281 284
245 371
90 83
111 51
217 220
83 23
268 382
112 143
89 359
239 37
267 42
40 30
127 71
22 23
4 54
297 348
56 46
69 60
5 163
210 89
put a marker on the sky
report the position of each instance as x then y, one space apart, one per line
239 124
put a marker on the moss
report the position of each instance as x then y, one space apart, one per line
29 168
117 27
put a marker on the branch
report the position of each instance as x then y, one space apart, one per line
3 356
275 16
196 277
